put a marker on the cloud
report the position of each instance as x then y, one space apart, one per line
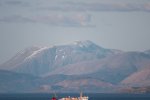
15 3
79 6
74 20
97 6
16 19
66 20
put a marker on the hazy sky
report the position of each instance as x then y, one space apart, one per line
117 24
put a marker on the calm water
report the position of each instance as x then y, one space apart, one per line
91 96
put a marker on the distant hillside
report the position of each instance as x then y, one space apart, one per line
11 82
140 78
136 90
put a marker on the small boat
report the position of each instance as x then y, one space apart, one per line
76 98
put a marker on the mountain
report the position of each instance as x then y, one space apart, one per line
41 61
82 65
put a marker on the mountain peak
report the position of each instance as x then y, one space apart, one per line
85 43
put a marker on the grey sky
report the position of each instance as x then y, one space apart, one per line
118 24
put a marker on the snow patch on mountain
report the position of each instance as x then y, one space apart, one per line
37 52
56 57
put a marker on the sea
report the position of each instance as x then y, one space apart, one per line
95 96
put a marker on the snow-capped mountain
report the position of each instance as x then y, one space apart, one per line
43 60
75 65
